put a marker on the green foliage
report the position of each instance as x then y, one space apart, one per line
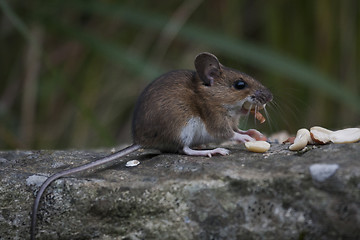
72 70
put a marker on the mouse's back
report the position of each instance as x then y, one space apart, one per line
162 109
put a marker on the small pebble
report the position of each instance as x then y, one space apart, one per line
132 163
36 180
321 172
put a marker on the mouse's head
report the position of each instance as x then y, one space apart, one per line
231 88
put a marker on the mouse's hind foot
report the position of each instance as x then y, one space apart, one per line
207 153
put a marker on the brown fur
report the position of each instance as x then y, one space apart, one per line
168 103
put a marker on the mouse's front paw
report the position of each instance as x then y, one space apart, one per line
242 138
258 136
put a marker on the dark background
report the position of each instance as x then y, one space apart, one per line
70 71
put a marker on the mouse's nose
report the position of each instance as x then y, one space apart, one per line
263 95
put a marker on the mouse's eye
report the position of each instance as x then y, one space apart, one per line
240 84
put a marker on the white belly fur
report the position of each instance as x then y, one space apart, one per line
195 133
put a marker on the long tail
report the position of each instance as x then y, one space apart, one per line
52 178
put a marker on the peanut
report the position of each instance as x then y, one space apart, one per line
257 146
347 135
258 115
301 140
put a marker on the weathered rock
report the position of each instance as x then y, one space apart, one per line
241 196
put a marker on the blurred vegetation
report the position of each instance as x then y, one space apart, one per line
71 70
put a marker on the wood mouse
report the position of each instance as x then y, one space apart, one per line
182 109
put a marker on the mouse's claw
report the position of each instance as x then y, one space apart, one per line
221 151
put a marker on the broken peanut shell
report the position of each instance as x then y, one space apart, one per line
320 135
323 135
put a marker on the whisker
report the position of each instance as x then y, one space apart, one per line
277 109
244 121
269 121
281 112
255 110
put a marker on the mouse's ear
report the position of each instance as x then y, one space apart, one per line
207 67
